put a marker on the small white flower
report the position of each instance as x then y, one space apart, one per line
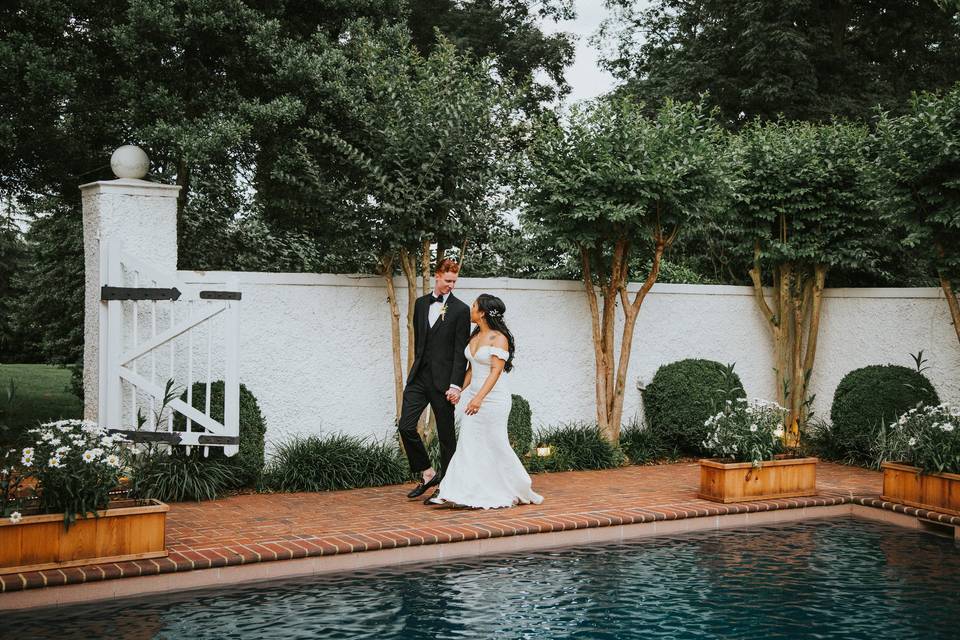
912 441
62 450
778 432
97 451
946 426
16 517
54 462
88 456
753 428
55 442
113 460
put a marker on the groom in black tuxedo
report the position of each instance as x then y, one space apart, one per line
441 329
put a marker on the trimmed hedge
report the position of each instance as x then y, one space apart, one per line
868 399
682 395
520 426
248 462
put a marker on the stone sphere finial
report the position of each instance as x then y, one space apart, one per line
129 161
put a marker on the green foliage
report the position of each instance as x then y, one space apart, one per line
574 447
520 425
247 465
800 59
420 152
805 196
869 398
177 476
746 431
76 465
682 395
613 173
920 152
927 438
41 394
643 445
334 462
49 313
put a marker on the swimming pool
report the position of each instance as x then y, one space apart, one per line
844 578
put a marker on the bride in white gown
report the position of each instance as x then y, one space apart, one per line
485 472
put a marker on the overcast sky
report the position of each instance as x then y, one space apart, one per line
586 78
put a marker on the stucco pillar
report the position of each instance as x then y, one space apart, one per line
140 215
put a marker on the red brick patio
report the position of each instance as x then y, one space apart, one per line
267 527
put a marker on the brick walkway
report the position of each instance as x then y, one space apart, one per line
267 527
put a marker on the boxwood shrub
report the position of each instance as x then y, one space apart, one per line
868 399
682 395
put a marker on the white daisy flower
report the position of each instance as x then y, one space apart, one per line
16 517
54 462
113 460
88 456
946 426
753 428
912 441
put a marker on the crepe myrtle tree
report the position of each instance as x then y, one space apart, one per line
920 158
804 204
615 184
423 155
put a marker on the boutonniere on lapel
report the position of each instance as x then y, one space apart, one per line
443 312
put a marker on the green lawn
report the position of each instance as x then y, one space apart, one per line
42 394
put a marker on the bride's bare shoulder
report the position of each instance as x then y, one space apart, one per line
497 339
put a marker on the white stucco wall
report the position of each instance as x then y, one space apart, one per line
315 349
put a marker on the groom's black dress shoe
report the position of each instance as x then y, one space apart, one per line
418 490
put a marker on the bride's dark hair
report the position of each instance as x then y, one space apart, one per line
493 310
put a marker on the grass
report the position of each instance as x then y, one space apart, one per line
42 394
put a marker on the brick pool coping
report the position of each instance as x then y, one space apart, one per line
190 552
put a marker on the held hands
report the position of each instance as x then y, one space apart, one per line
473 406
453 396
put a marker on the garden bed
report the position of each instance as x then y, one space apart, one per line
934 491
740 481
128 530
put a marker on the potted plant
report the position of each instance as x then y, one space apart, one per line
68 518
922 450
747 442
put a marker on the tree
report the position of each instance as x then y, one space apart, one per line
802 59
614 183
920 153
508 32
424 154
804 205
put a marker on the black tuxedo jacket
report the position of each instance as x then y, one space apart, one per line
447 340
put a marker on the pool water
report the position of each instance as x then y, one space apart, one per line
843 578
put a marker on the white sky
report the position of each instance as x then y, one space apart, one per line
586 78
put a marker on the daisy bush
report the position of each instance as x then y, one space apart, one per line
11 478
746 431
925 437
76 464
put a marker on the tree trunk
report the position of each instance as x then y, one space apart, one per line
952 303
631 313
425 266
599 355
795 326
386 270
409 264
183 181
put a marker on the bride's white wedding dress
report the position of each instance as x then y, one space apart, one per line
485 472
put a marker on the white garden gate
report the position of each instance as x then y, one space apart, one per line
159 336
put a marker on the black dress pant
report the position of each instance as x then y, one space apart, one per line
416 396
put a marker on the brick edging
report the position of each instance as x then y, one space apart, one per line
293 547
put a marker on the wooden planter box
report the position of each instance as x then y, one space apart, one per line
131 530
934 491
741 482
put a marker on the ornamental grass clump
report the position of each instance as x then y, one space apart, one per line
746 431
76 464
927 438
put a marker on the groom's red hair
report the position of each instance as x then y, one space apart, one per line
448 265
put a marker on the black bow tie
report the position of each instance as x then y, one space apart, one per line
434 298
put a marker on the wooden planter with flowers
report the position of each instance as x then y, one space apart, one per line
128 530
742 482
907 485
